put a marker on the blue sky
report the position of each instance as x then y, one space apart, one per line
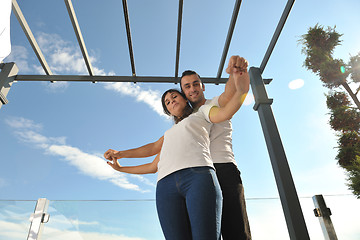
53 135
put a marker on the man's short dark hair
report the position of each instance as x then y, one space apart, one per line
189 72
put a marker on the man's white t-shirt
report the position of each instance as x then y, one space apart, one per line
221 138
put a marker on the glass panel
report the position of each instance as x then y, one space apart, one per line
14 219
93 220
345 211
267 220
137 220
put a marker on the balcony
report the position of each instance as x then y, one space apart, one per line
137 219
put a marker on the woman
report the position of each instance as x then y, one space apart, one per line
188 195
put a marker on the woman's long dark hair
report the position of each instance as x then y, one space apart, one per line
187 111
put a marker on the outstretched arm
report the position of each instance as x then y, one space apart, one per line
241 82
141 152
230 89
140 169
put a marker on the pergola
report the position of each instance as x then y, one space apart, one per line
286 188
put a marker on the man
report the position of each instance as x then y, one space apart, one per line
235 225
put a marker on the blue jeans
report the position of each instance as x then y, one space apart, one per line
189 204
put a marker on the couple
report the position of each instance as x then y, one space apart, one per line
189 200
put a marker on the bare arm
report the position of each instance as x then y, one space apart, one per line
141 152
230 88
140 169
241 82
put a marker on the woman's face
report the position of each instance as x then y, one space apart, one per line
175 103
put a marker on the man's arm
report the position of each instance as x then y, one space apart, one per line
141 152
230 89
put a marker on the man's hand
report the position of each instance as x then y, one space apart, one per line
237 64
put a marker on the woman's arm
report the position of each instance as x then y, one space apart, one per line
236 62
141 152
241 82
141 169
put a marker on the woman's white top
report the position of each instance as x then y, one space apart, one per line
187 144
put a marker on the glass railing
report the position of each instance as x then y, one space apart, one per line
14 219
137 220
83 220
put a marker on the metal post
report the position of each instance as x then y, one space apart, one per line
38 218
286 188
323 213
7 76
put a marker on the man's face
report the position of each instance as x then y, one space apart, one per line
193 89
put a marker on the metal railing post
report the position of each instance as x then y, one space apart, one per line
323 213
38 218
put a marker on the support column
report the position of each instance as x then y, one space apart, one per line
285 185
7 76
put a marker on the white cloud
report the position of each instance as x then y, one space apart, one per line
12 231
19 54
78 235
19 122
296 84
91 165
16 226
150 97
56 86
62 222
65 58
88 164
144 180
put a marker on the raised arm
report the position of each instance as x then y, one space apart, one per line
241 81
140 169
141 152
230 89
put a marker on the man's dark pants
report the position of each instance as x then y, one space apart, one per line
235 223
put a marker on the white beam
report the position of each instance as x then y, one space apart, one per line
20 17
79 36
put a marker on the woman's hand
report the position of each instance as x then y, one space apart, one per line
111 154
242 81
140 169
237 68
114 164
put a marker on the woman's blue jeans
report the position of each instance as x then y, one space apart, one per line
189 204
